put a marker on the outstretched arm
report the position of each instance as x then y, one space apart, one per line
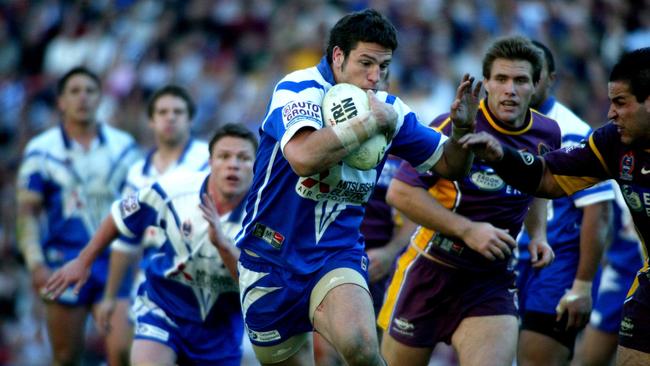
418 205
524 171
456 160
76 271
227 250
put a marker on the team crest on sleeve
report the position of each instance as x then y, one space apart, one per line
129 205
294 112
627 166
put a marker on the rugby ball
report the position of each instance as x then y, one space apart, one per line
342 103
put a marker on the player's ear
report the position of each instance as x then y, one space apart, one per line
338 56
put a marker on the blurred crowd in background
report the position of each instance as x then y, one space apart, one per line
230 53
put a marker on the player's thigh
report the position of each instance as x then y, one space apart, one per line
597 348
631 357
66 326
540 349
486 340
145 352
396 353
345 317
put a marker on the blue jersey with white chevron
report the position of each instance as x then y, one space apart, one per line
565 214
77 185
186 276
143 173
299 222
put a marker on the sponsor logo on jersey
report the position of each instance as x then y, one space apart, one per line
527 157
627 326
270 236
487 180
332 185
263 337
129 205
627 166
294 112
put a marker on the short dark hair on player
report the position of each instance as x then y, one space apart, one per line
363 26
173 90
548 56
232 130
634 69
78 70
514 48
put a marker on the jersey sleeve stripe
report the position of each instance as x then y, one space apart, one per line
571 185
594 148
299 86
433 159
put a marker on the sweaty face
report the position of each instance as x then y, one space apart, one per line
630 117
510 88
79 100
231 164
170 121
366 65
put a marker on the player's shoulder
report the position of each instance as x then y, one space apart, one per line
303 78
180 181
116 135
569 122
48 140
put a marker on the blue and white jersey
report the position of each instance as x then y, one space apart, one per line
299 222
625 252
143 173
565 214
77 186
186 276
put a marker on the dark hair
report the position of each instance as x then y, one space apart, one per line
233 130
513 48
363 26
548 56
176 91
79 70
634 69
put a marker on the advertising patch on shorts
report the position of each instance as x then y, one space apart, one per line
129 205
262 337
151 331
294 112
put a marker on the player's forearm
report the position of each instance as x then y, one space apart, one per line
594 232
312 151
27 235
535 222
419 206
455 161
106 233
119 264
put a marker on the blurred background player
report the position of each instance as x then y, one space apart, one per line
187 310
623 257
170 111
577 230
455 282
71 173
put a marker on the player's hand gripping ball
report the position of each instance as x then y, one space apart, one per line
344 102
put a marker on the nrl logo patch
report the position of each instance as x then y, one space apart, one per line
627 166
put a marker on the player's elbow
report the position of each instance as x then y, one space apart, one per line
396 195
304 167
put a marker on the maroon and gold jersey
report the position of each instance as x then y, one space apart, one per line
482 195
602 157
